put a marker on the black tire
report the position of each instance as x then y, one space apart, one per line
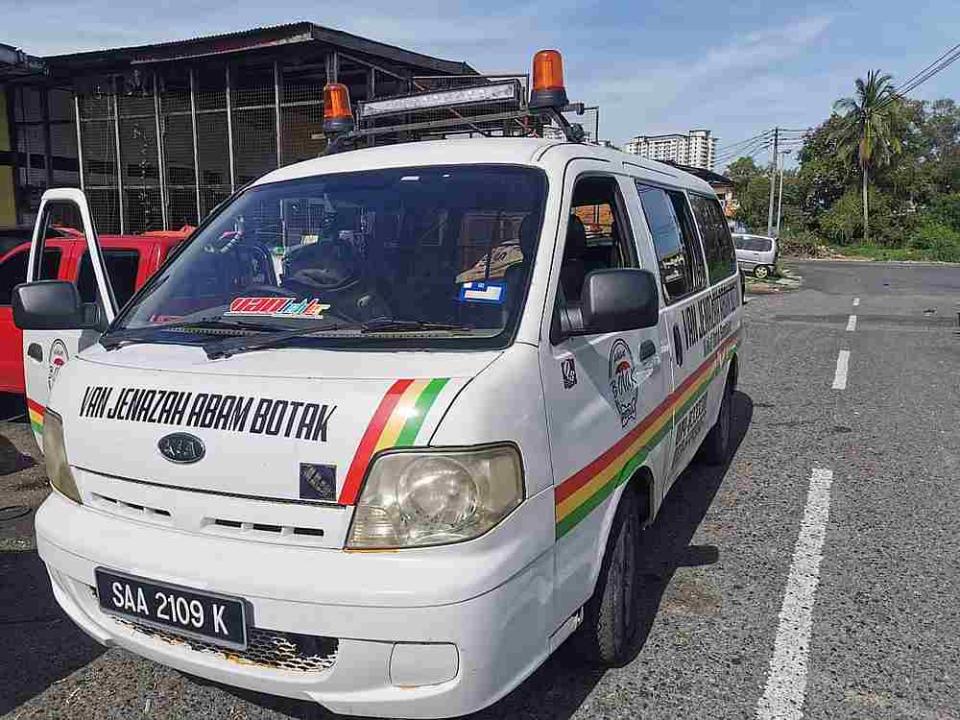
716 446
611 616
761 272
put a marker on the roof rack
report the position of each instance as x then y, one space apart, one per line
488 105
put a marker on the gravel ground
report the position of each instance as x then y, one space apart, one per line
885 640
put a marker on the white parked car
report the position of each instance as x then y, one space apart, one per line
756 253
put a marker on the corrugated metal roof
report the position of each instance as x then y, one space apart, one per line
254 38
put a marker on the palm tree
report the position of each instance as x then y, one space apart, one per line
871 129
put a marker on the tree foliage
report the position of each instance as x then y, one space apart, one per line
913 174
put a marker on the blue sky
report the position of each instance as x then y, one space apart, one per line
654 66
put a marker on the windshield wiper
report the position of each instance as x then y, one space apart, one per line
113 340
225 349
388 325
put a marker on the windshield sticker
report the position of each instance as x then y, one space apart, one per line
234 413
623 381
281 307
483 292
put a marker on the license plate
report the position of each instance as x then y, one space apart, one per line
213 618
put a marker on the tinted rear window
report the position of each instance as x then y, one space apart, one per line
753 243
717 244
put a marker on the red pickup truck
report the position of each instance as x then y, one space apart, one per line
130 260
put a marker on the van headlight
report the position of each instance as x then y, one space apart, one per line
55 457
415 498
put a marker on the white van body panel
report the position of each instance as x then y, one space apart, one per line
469 621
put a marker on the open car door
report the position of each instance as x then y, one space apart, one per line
46 351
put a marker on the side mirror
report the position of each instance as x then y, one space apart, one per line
53 305
619 299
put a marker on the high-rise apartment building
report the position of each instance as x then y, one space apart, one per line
697 148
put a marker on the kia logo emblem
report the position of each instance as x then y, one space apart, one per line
182 448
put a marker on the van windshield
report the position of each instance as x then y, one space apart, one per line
441 253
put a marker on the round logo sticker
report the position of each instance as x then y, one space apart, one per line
623 381
58 358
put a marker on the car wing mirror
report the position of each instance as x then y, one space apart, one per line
53 305
619 299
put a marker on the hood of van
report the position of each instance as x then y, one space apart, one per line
291 424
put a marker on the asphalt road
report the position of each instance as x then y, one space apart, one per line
869 563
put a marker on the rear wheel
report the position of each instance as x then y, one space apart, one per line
611 615
761 272
715 449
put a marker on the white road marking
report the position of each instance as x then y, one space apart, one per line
787 681
840 376
856 301
852 323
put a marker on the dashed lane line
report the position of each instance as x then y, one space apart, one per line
852 323
787 680
843 365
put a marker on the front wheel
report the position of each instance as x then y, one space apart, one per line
611 616
761 272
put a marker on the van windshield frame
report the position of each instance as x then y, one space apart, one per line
426 257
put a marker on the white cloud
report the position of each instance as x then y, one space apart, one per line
667 97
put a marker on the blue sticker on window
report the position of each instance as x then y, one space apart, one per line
493 293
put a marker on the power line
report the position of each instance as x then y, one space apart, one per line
725 148
919 78
752 148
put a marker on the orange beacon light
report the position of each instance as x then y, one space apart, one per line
548 90
337 115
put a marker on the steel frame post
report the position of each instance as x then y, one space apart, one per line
76 115
47 149
276 110
233 170
161 164
196 150
121 200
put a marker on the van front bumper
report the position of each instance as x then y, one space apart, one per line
388 658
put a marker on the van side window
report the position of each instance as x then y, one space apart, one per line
598 235
121 266
678 252
14 271
717 245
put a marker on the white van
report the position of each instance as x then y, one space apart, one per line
394 476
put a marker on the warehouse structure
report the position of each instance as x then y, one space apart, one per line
157 135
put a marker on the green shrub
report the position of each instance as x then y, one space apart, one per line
936 240
799 243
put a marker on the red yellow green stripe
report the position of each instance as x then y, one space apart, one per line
395 423
35 410
583 491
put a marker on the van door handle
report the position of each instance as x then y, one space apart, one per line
35 352
677 345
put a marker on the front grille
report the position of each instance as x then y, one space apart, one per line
266 648
128 508
263 531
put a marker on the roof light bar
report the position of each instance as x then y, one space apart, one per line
494 92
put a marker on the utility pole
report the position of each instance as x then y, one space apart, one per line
773 180
783 162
